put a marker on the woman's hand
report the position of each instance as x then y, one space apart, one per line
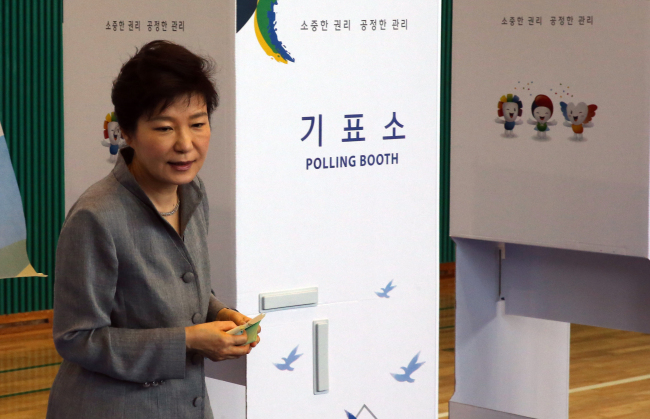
227 314
212 341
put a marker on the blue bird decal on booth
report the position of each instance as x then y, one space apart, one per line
385 291
408 370
289 360
350 415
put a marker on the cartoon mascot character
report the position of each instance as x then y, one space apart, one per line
509 108
578 117
113 138
542 110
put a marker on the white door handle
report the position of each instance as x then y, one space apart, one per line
321 362
303 297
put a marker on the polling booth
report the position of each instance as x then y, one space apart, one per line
322 177
549 193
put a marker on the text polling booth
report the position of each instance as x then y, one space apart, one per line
549 192
322 177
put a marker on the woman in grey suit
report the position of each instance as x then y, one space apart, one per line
134 315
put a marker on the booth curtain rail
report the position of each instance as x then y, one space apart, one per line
31 113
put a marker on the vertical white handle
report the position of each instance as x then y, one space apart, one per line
321 363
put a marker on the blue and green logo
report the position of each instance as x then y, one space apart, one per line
265 30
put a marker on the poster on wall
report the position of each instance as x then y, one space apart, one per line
99 36
550 124
14 261
337 188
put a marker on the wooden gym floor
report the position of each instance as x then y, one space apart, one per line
610 369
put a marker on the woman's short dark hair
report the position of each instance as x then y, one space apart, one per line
158 74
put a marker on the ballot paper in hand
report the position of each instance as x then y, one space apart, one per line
250 327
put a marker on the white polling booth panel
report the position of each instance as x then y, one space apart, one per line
556 187
337 168
549 192
323 184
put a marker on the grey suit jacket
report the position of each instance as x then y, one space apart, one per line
126 287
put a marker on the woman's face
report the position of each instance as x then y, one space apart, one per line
170 148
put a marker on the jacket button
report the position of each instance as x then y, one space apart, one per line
147 384
155 383
197 318
188 277
196 359
197 401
